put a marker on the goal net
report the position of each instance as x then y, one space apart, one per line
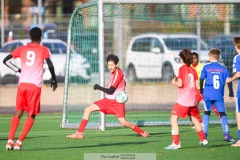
166 25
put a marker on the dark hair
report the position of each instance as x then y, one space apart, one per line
215 53
112 57
186 56
35 34
195 54
236 41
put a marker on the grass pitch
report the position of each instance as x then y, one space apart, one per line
47 141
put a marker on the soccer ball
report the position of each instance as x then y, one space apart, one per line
121 97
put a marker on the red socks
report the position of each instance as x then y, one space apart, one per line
175 139
13 127
201 135
138 130
82 125
26 128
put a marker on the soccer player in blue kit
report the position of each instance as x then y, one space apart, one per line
236 70
215 76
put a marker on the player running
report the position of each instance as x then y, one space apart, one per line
109 105
186 101
32 58
215 76
236 70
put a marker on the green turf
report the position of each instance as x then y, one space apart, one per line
46 141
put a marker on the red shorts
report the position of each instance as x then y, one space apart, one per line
28 98
111 106
199 97
184 111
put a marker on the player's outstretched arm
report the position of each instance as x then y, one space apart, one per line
9 64
52 71
110 90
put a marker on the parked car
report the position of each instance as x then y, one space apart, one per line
79 65
225 44
155 56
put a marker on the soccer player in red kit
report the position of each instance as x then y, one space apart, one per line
186 101
109 105
32 58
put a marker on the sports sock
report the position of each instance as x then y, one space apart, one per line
13 127
175 139
138 130
26 128
215 111
82 125
201 135
224 123
205 123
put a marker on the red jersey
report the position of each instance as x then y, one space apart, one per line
117 81
187 93
32 58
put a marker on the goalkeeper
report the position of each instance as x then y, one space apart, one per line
109 105
32 58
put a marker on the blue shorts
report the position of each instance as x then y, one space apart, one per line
238 104
219 105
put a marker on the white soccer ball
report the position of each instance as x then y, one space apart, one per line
121 97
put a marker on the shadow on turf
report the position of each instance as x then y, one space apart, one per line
90 146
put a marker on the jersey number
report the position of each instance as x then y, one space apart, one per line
216 82
191 80
30 58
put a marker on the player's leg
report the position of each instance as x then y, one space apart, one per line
31 96
193 111
175 133
224 121
177 111
13 128
237 144
206 117
86 115
134 127
199 98
26 128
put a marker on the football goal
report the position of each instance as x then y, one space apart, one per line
133 29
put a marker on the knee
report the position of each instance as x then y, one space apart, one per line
18 114
88 109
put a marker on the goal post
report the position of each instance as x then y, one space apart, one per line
99 28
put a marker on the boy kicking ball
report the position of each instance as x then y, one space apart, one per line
109 105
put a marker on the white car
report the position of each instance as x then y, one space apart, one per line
155 56
79 65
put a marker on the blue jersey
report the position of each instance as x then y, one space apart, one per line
215 76
236 68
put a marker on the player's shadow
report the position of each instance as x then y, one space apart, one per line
90 146
208 146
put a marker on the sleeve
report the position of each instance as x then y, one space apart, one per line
117 79
180 73
16 53
203 73
237 64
